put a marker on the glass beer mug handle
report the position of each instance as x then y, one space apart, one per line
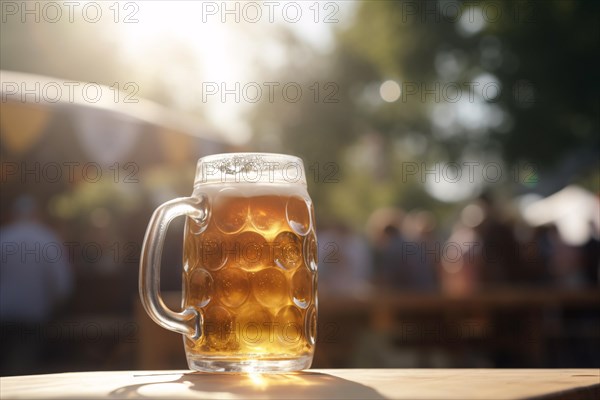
188 321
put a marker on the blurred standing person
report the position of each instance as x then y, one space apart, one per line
421 251
461 261
35 278
391 271
384 230
500 247
462 256
566 262
344 262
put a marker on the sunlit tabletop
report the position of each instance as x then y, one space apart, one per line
312 384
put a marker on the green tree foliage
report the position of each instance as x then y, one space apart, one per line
542 56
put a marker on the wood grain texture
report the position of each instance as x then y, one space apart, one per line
313 384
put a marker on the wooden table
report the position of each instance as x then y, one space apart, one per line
313 384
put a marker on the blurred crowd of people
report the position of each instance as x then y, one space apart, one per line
486 247
550 244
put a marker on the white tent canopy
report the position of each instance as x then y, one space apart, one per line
110 103
574 210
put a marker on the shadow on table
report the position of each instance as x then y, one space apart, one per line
299 385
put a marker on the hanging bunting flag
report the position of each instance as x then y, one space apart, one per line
22 125
106 137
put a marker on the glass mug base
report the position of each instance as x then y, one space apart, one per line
266 365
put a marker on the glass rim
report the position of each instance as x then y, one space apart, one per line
250 167
243 154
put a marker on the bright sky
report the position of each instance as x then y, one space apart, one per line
225 52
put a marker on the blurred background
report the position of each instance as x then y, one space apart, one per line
451 149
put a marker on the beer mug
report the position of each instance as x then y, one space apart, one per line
249 265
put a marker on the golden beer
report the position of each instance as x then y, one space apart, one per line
251 274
